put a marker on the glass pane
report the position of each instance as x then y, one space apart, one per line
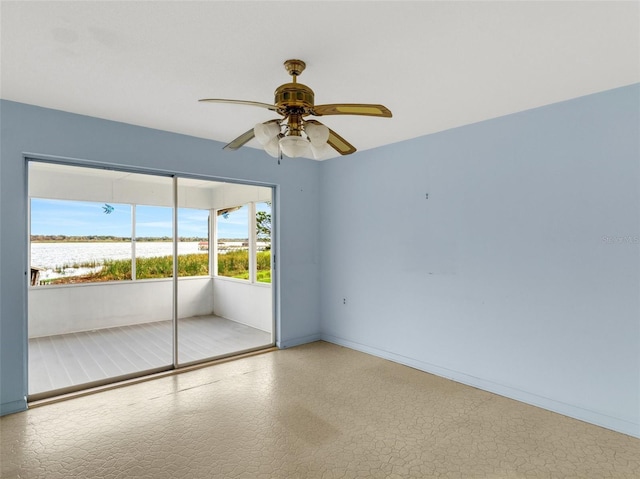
154 242
101 324
79 241
233 242
193 246
263 242
219 316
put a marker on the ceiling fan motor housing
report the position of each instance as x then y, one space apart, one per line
294 95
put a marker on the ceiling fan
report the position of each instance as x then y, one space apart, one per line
294 135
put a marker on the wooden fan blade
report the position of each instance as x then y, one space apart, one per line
241 140
336 142
351 109
242 102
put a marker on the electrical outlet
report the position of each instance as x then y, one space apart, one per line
344 300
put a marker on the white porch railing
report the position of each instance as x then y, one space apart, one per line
73 308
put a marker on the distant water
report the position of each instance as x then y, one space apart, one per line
52 255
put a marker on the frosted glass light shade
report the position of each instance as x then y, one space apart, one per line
266 132
273 147
321 152
294 146
318 134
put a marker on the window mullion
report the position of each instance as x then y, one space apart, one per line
133 242
253 247
213 243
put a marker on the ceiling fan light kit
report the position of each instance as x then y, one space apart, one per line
265 132
294 135
295 146
273 148
321 152
318 134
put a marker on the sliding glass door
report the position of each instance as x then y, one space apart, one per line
125 274
237 314
100 294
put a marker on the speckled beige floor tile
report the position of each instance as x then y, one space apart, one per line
318 410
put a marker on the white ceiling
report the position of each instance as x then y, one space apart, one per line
436 65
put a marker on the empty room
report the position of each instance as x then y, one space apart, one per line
320 239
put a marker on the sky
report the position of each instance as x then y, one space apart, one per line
81 218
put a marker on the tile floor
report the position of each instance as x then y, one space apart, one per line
315 411
65 360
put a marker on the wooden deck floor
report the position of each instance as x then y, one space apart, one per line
61 361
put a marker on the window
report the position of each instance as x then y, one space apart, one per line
85 242
242 255
232 226
80 241
193 242
263 242
154 242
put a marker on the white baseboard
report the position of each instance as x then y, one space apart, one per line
290 343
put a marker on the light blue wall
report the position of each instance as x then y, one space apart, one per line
521 272
42 131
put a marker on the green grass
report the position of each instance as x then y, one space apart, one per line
263 276
234 264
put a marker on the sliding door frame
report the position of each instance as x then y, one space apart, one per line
176 365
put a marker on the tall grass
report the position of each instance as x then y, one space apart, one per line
234 264
193 264
112 270
263 260
158 267
85 264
